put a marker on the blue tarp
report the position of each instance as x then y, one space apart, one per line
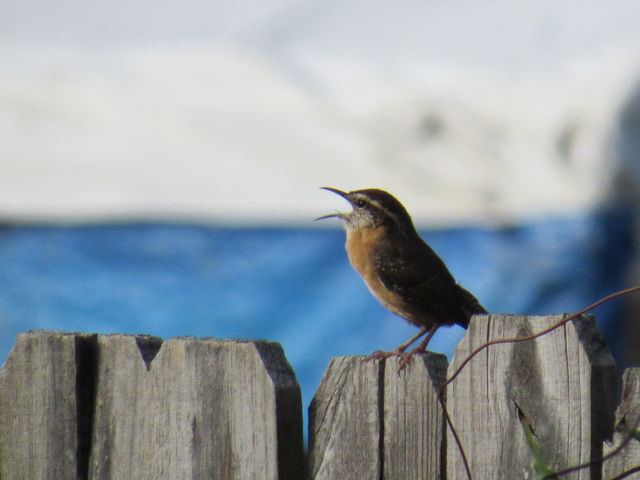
290 285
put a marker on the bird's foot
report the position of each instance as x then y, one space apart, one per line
380 355
398 351
405 360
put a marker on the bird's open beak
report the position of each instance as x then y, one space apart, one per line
337 214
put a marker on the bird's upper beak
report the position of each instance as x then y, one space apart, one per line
344 195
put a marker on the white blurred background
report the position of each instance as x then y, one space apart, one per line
239 112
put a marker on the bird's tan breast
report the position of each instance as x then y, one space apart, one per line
360 247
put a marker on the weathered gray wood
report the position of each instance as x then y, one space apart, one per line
369 421
202 408
45 402
413 419
344 421
83 406
563 384
627 417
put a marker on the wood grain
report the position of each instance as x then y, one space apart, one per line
413 419
563 384
370 421
202 408
44 424
627 418
132 407
344 421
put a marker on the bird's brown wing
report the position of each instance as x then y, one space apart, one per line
422 279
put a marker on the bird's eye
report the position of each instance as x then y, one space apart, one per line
361 203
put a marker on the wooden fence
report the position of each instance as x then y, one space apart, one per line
79 406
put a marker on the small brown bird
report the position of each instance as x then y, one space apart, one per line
400 269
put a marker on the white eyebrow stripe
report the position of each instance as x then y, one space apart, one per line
379 206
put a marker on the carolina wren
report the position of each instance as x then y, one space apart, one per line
400 269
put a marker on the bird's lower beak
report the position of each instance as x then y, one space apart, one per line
331 215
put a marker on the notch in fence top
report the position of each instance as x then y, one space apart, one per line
211 409
562 384
149 347
127 406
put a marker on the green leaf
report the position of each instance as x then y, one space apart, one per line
543 472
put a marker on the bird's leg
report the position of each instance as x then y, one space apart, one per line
406 358
380 355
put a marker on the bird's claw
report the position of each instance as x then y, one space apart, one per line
404 361
380 355
404 358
